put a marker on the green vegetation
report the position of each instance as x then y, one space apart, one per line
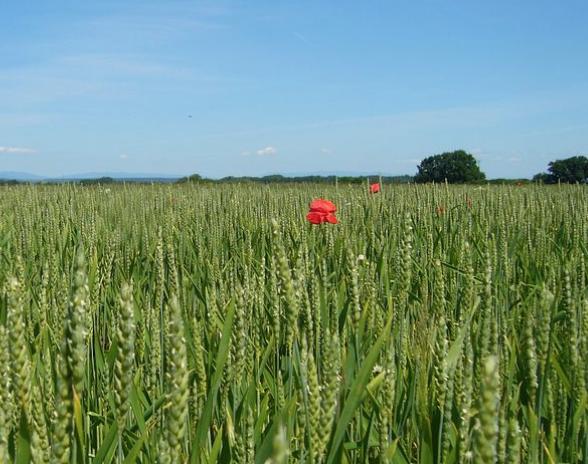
456 167
279 179
570 170
209 323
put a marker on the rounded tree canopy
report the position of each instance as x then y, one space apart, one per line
455 167
568 170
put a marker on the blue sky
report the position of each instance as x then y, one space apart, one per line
290 87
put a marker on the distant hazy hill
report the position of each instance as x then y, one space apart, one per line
119 176
114 175
20 176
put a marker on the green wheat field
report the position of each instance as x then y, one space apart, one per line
213 323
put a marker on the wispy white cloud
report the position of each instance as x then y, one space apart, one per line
267 151
116 64
302 38
161 22
326 151
452 117
98 76
500 157
17 150
73 68
20 118
124 156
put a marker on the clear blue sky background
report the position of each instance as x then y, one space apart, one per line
290 87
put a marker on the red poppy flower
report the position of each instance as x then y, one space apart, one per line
375 188
322 211
314 217
322 206
331 218
440 210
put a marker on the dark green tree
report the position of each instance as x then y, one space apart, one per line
457 167
569 170
543 178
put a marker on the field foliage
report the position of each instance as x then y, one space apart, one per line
212 323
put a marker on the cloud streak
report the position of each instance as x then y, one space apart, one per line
267 151
302 38
17 150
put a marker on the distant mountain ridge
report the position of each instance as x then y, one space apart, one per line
20 176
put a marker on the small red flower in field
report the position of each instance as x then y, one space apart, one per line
375 188
322 206
331 218
469 203
440 210
519 184
321 211
314 217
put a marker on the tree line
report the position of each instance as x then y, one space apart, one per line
277 178
458 167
